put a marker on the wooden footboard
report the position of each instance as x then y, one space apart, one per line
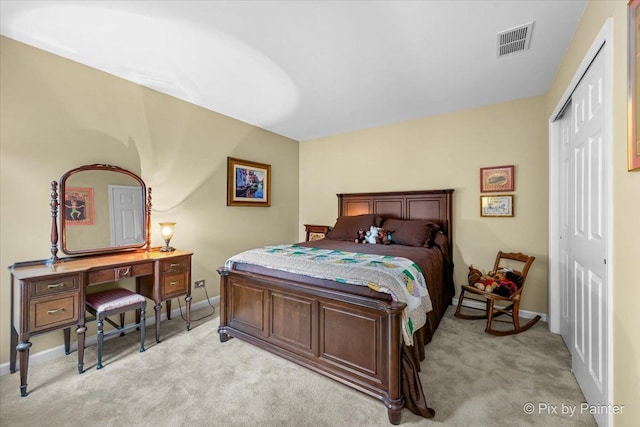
350 338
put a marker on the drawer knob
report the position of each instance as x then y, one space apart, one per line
55 285
57 310
174 283
175 265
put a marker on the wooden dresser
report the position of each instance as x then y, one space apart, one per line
51 296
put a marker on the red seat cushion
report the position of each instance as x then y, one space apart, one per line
113 298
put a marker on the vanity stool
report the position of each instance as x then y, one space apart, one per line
116 301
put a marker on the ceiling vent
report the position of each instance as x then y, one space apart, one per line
515 39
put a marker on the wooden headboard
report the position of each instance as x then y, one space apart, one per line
435 205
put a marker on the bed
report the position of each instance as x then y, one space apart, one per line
352 334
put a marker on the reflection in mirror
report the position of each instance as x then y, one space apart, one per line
102 208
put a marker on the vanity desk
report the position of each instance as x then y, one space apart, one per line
47 297
104 227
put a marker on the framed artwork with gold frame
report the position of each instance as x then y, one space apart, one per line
633 118
248 183
497 206
497 179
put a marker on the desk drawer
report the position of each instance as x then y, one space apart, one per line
53 286
53 312
175 265
116 273
174 284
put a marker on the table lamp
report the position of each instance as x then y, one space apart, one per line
166 229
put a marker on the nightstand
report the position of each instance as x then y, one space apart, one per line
316 232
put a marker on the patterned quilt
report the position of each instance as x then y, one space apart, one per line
397 276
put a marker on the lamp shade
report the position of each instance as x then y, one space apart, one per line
166 229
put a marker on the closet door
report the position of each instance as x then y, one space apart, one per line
584 253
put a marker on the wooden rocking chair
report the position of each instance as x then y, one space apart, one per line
492 311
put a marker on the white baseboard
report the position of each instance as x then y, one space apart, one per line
55 352
523 313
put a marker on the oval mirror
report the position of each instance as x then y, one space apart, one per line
102 209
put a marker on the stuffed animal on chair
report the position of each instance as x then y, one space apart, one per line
505 286
486 284
504 282
474 275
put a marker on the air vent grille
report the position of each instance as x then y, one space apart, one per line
515 39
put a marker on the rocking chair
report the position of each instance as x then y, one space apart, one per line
491 310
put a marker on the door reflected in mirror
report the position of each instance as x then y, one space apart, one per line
102 209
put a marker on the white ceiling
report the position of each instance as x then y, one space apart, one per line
308 69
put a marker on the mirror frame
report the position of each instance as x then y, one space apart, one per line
56 198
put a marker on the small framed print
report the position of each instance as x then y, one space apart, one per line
496 206
497 179
78 206
248 183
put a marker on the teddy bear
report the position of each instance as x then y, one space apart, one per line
514 276
504 282
361 237
385 236
473 275
372 234
486 284
504 285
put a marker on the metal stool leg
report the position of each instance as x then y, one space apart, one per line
122 323
142 325
100 339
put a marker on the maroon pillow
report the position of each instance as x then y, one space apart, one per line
434 230
410 232
440 240
346 227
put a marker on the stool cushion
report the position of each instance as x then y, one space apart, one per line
113 299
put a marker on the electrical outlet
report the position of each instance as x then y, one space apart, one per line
199 283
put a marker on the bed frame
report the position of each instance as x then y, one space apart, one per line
300 321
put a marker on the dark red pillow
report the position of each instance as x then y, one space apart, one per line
410 232
346 227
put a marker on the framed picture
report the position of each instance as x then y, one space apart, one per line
78 206
499 205
248 183
496 179
633 118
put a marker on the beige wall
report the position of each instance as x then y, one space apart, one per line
626 204
446 152
57 115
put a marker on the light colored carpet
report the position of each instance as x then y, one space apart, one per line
191 379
